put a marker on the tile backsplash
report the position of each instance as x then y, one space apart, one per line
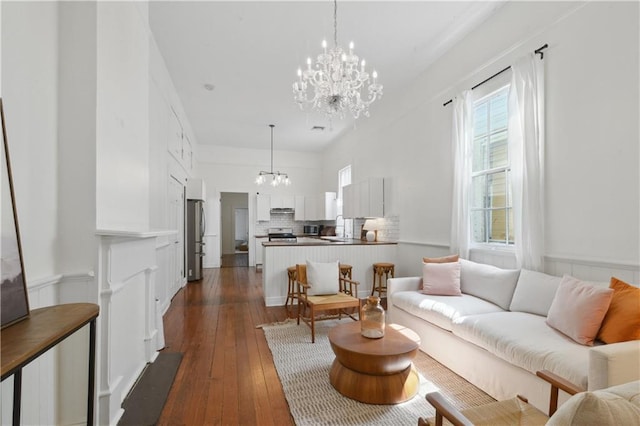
388 227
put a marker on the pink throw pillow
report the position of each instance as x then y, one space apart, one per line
441 279
578 309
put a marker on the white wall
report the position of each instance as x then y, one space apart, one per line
229 169
122 137
30 74
77 94
592 131
76 157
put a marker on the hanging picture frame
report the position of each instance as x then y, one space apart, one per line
13 288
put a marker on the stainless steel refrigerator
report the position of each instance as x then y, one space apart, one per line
195 239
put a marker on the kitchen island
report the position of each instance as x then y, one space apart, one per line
278 256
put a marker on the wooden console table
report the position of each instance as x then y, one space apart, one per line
26 340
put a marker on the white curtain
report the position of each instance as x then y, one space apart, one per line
526 152
462 133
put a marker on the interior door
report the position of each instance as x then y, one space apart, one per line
176 221
242 226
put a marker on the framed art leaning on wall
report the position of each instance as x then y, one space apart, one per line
13 287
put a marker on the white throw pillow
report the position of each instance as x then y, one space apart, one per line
488 282
441 279
323 277
578 309
534 292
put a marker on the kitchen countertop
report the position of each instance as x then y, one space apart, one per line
326 241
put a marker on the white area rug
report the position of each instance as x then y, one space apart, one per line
303 369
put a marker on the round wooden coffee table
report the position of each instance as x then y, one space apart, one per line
374 371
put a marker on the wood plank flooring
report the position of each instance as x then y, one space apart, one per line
227 375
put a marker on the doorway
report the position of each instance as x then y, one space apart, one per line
234 229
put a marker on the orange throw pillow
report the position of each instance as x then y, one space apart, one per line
445 259
622 321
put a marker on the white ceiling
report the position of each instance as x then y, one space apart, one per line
250 52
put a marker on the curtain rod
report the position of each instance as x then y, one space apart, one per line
538 51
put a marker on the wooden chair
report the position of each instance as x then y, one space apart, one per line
344 302
515 411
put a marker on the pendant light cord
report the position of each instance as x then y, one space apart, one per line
335 23
272 126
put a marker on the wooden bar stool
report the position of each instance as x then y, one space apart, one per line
345 270
380 269
292 293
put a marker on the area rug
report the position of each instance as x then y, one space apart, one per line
143 406
304 367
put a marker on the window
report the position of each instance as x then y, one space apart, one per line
344 227
491 211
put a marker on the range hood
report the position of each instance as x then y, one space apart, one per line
283 210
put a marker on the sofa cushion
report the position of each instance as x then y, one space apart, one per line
441 310
534 292
617 405
488 282
443 259
526 341
441 279
622 321
578 309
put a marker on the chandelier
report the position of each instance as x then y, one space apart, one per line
338 81
277 178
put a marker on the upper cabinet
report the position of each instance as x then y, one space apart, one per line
263 207
282 201
364 199
319 207
179 143
299 207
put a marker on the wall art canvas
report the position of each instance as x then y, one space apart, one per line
13 289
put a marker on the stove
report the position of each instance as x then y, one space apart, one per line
283 235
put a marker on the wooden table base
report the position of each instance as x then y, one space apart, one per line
375 389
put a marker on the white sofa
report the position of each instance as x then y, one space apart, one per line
496 337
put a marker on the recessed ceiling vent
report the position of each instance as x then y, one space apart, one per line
317 129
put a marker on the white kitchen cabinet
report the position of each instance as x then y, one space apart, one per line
175 136
259 254
282 201
311 209
320 207
330 206
299 208
348 201
263 207
364 199
187 154
376 197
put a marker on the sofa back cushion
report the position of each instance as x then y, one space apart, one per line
578 309
534 292
488 282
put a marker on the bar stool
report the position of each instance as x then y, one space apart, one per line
345 270
380 269
291 289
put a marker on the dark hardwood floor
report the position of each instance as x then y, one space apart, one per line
234 260
227 375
